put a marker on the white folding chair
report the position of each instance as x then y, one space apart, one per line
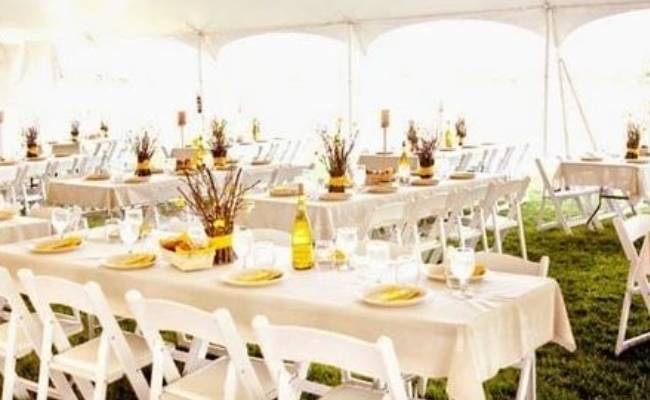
512 193
629 231
11 187
22 334
101 360
505 161
391 216
526 389
265 177
465 161
426 225
303 346
489 159
466 230
234 376
287 174
557 196
278 237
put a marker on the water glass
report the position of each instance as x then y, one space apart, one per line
378 255
346 241
359 177
407 270
60 220
264 254
134 215
325 255
129 233
461 267
243 244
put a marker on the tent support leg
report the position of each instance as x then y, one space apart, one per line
547 62
581 110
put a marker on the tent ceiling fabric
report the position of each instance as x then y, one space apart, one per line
231 19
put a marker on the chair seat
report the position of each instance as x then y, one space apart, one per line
350 392
207 383
503 223
574 192
468 233
82 360
24 346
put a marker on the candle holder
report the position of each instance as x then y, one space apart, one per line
385 123
181 121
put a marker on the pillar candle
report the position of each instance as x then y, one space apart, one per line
385 118
181 118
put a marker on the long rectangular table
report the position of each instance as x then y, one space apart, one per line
23 228
442 337
326 216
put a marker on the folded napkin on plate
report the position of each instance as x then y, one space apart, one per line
58 244
396 293
259 275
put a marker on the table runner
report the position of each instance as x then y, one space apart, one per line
443 337
326 216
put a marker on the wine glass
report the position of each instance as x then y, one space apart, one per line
264 254
325 255
129 233
60 219
134 215
243 244
359 177
346 241
462 266
378 254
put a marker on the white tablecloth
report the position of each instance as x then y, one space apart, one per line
23 228
326 216
443 337
379 161
632 179
110 195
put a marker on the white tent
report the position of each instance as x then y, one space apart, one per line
211 24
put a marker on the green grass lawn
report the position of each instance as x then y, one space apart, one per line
591 269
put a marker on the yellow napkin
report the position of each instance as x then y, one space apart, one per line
7 214
479 270
137 259
258 275
59 244
396 293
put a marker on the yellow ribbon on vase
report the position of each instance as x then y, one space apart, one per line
220 242
340 181
425 170
143 164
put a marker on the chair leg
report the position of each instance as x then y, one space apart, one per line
622 326
522 232
560 217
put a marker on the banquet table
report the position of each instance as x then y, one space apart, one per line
444 336
631 179
110 195
383 161
325 216
23 228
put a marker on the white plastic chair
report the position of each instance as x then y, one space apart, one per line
557 196
504 163
629 231
466 230
512 193
101 360
233 376
526 389
465 161
391 216
303 345
430 236
22 334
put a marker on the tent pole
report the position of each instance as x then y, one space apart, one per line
350 89
547 61
201 99
558 58
583 116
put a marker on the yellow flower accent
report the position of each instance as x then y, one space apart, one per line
219 223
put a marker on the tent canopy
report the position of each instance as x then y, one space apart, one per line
227 20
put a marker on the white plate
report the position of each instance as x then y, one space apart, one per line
114 262
381 189
35 249
591 159
424 182
366 296
436 272
638 161
462 175
231 278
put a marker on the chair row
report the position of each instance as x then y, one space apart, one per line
461 215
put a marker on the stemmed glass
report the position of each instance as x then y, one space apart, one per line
359 177
378 254
244 242
461 267
346 241
130 227
60 219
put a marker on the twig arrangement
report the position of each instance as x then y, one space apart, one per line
337 152
425 152
30 135
461 130
217 206
103 128
412 136
144 147
633 140
74 130
219 142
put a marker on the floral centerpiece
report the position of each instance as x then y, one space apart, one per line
461 130
425 150
103 129
219 143
633 140
30 136
144 147
412 136
336 157
74 131
217 207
